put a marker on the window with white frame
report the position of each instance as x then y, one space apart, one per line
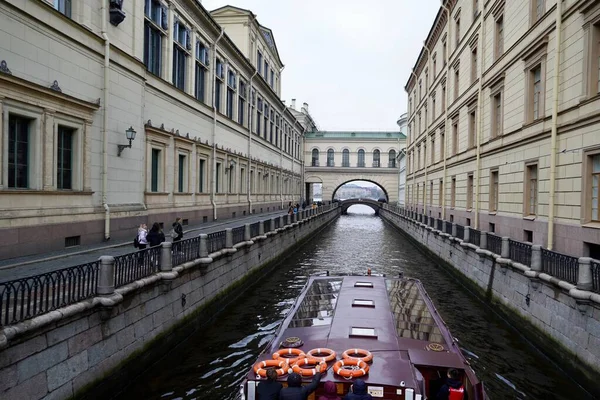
345 158
19 152
182 173
155 25
593 195
63 6
181 48
538 9
531 189
330 158
202 162
231 89
361 158
392 159
65 149
202 64
219 80
376 158
494 187
156 170
242 93
499 37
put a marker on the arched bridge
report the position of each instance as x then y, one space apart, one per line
374 204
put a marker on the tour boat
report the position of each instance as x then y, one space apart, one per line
383 330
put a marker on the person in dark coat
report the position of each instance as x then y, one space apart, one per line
330 392
269 389
358 391
295 390
177 230
155 236
453 389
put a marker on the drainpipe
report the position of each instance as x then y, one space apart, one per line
446 138
105 123
250 119
412 194
426 131
213 178
479 119
553 145
281 148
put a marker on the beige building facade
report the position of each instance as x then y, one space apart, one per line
200 90
335 158
504 121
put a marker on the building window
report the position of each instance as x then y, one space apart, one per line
181 42
272 81
219 77
330 159
433 107
155 21
455 138
473 64
259 62
181 174
418 157
392 159
535 93
64 158
231 179
242 102
595 186
445 55
361 158
453 192
456 82
433 149
201 175
231 88
536 74
538 9
266 71
475 8
531 189
420 91
494 194
472 129
443 97
259 109
430 195
593 55
315 158
497 116
18 152
470 192
442 144
499 40
63 7
271 125
218 178
457 29
376 159
202 63
345 158
434 66
156 169
243 180
440 191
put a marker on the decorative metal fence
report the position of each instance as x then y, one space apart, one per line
440 225
238 234
133 266
186 250
596 276
26 298
254 229
460 231
494 243
216 241
475 236
520 252
277 223
431 222
448 227
560 266
267 225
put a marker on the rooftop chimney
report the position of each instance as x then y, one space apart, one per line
293 104
304 108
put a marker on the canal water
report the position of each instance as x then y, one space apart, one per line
212 362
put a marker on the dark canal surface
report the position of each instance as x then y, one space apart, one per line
212 362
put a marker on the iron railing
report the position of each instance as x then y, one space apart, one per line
133 266
186 250
494 243
520 252
448 227
595 276
254 229
440 225
432 222
26 298
475 237
216 241
238 234
267 225
460 231
277 223
560 266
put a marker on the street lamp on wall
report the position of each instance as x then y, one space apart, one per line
130 134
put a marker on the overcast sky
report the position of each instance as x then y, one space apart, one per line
349 60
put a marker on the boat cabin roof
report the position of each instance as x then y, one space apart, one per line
392 318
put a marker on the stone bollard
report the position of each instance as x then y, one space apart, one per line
536 258
261 228
106 276
505 251
483 240
584 275
454 229
228 238
467 234
247 233
272 225
166 260
288 221
203 245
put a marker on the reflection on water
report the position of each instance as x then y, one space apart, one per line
213 361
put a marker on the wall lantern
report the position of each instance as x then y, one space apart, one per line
116 12
130 134
232 164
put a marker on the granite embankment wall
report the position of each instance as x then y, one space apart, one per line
557 317
65 354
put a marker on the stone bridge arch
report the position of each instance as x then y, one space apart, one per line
346 204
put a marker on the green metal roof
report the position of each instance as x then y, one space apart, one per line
354 134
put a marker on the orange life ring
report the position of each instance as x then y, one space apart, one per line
360 368
299 354
260 367
320 366
365 355
329 357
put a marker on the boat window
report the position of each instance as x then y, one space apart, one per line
363 303
363 284
368 332
318 305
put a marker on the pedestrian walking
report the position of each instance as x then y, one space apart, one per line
177 231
